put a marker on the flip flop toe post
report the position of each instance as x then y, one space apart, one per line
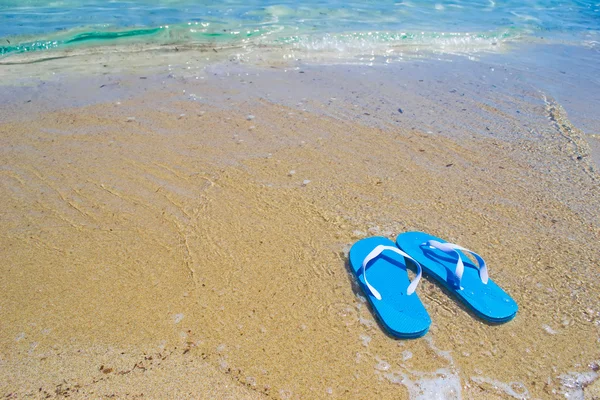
380 268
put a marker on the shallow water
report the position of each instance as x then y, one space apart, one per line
164 228
380 27
132 168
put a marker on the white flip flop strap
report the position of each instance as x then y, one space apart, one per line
376 252
451 248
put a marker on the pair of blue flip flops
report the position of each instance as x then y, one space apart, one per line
380 266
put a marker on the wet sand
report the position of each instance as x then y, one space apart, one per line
159 246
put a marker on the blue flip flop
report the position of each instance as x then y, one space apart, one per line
388 288
447 263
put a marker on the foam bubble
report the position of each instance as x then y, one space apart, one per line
358 234
358 358
374 230
369 323
382 365
33 346
441 353
177 318
223 364
574 382
516 390
365 340
440 385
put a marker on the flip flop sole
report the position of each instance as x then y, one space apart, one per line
402 315
488 301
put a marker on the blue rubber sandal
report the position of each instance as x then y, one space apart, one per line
388 288
447 263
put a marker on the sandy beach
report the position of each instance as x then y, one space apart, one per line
164 246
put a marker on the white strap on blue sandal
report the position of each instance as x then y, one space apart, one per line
451 248
376 252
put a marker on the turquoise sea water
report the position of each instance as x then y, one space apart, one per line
376 27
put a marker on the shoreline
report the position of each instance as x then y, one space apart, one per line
174 223
490 82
